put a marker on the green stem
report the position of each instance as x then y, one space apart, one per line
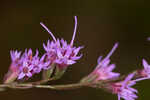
62 87
54 87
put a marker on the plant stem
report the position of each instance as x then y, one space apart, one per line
62 87
54 87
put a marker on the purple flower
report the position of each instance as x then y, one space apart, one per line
144 73
15 55
13 71
28 55
25 70
124 89
39 64
67 55
60 52
51 52
27 64
104 69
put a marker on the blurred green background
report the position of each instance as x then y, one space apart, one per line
101 23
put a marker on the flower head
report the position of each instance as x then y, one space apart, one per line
104 69
27 64
124 90
144 73
67 55
60 52
14 67
146 69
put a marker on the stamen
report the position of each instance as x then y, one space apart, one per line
112 50
75 29
109 54
140 79
48 31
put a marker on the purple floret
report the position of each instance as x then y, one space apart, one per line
124 89
15 55
25 70
67 55
145 72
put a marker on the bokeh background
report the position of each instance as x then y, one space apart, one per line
101 23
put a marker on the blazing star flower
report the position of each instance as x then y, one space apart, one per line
124 89
59 52
144 73
104 69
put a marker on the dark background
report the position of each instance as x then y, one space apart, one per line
101 23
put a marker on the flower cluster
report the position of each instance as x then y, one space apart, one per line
121 87
61 53
58 53
26 64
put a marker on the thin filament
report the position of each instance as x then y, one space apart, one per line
112 50
48 31
75 29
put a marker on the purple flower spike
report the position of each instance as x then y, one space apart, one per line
59 51
104 69
124 89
